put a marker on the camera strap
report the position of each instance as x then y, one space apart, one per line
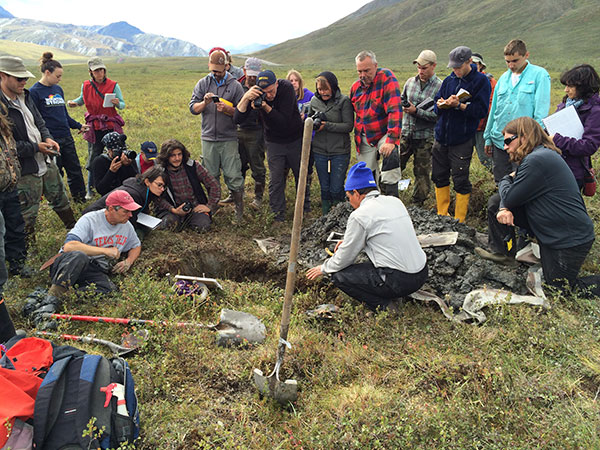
97 90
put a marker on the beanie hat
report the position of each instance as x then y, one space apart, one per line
359 177
114 140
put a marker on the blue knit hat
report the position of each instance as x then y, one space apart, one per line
359 176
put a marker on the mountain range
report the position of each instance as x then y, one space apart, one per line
115 39
558 32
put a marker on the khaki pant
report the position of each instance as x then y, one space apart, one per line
368 154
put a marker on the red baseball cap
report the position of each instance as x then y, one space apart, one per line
122 199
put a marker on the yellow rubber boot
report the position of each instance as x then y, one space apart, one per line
462 206
442 197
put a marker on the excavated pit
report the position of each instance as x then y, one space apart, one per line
454 270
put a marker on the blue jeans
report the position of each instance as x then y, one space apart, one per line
332 173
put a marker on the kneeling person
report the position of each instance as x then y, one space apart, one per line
382 227
98 238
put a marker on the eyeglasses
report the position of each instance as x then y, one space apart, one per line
159 184
508 140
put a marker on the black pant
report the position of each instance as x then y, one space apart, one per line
561 268
14 238
97 149
452 161
499 234
72 268
502 164
7 329
281 157
69 160
376 287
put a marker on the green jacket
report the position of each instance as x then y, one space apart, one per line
334 139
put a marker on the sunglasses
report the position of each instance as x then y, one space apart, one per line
507 141
21 79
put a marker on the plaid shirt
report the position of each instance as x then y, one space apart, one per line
183 192
420 125
377 108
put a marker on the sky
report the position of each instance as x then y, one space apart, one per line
204 23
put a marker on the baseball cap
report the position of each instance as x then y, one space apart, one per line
265 79
426 57
359 176
13 66
150 150
477 58
96 63
217 60
459 56
252 66
123 199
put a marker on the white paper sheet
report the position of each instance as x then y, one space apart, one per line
566 122
148 221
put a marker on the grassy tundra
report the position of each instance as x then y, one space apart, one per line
525 379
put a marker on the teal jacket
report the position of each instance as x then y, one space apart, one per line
529 97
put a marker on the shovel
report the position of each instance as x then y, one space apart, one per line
129 345
233 328
287 391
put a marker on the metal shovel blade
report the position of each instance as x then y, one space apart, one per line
239 328
271 386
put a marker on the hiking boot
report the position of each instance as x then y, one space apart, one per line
238 199
19 268
67 217
259 189
496 257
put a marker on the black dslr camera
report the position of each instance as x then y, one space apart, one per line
318 118
405 103
117 152
258 101
187 207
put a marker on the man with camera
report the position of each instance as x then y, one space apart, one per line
192 193
35 147
215 97
418 121
375 97
251 140
276 102
115 165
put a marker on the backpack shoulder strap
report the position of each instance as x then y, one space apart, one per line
49 400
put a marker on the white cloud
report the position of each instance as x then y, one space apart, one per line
205 23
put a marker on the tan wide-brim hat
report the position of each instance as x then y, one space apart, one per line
13 65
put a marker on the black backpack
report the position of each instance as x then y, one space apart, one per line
73 392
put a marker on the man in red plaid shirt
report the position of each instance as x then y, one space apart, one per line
378 121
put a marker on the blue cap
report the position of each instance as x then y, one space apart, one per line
359 176
265 79
150 150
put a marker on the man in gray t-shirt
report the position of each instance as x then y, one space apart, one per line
98 238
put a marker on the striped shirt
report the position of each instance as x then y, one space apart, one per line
377 108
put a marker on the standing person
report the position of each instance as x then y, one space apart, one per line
251 139
455 129
185 202
12 235
303 95
215 97
418 122
50 101
146 158
235 71
275 101
101 119
581 88
523 90
379 225
35 146
542 197
377 124
478 141
331 141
